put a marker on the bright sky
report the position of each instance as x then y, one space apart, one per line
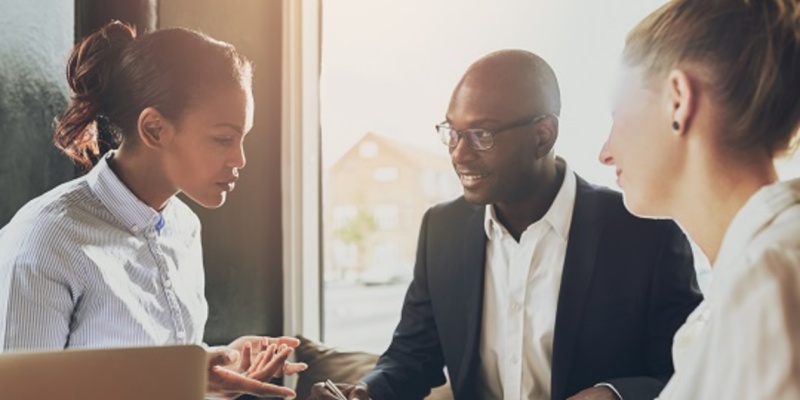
390 66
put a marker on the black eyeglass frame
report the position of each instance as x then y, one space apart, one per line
480 139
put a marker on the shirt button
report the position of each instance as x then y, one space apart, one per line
168 283
514 360
181 335
516 306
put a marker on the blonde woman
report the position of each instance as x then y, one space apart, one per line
709 96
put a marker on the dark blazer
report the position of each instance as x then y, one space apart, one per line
627 286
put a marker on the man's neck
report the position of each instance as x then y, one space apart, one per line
516 217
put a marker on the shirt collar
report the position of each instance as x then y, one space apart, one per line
558 216
762 208
134 214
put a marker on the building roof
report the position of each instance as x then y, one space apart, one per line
416 156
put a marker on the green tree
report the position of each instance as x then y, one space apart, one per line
357 231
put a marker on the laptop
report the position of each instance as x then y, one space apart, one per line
152 373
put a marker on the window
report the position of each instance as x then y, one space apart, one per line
430 183
383 73
385 174
387 216
342 215
387 70
368 149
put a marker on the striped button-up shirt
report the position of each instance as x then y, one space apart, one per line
88 264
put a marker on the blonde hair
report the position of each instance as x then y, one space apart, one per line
749 49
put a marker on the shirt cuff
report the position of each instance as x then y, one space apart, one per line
610 386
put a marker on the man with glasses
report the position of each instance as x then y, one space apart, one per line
535 284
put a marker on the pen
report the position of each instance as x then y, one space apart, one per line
333 389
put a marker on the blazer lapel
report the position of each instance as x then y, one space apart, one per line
584 236
472 280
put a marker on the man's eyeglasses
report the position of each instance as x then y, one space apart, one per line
477 138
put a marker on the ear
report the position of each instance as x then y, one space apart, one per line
546 135
681 100
153 129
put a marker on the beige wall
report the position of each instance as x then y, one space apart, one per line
242 240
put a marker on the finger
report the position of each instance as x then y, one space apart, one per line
274 365
320 392
263 343
247 354
236 383
287 340
269 366
269 352
359 392
293 368
260 364
259 367
221 356
253 366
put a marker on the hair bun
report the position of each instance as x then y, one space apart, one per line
89 74
91 64
118 33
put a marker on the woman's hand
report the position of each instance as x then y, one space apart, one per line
229 379
250 346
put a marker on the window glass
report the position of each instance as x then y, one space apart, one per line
388 69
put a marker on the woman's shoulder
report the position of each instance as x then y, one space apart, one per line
781 233
46 220
773 254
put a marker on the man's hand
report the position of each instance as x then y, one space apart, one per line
227 383
352 392
596 393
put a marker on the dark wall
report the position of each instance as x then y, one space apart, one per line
35 39
242 240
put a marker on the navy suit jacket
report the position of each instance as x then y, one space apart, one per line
627 286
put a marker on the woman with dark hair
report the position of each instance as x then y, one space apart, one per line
709 97
113 258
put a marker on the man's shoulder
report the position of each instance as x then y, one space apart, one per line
457 208
607 196
444 219
610 204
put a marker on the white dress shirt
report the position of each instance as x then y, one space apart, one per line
522 281
88 264
743 340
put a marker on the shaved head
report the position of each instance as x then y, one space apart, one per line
512 97
512 76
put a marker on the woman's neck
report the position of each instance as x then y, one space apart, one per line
142 176
714 196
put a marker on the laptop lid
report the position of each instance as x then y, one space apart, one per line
153 373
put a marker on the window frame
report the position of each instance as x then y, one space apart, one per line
301 171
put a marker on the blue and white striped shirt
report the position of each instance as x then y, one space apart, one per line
84 265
